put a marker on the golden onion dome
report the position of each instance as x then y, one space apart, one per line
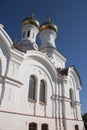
48 25
31 20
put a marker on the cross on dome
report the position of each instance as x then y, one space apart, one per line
48 17
32 14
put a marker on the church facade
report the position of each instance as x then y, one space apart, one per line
37 90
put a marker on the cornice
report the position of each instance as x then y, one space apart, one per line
16 57
10 80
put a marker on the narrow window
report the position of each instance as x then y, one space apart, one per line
28 34
32 84
71 93
44 127
42 91
23 34
32 126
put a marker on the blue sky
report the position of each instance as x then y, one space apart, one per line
71 18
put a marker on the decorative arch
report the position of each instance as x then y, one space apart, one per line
35 56
5 49
75 77
5 40
4 59
40 57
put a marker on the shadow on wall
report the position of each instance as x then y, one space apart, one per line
84 117
0 67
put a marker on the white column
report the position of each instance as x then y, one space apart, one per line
64 80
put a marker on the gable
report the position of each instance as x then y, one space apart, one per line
73 74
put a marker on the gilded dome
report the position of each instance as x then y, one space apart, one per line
48 25
31 20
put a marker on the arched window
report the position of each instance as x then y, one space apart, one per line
32 126
28 34
76 127
42 91
32 85
71 93
44 127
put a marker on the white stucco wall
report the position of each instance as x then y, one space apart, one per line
16 111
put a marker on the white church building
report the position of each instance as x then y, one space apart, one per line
37 90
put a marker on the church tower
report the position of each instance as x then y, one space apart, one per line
29 29
48 33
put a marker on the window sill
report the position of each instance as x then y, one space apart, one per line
72 105
42 103
31 100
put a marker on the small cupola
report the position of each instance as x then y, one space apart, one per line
48 25
48 33
30 28
30 20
